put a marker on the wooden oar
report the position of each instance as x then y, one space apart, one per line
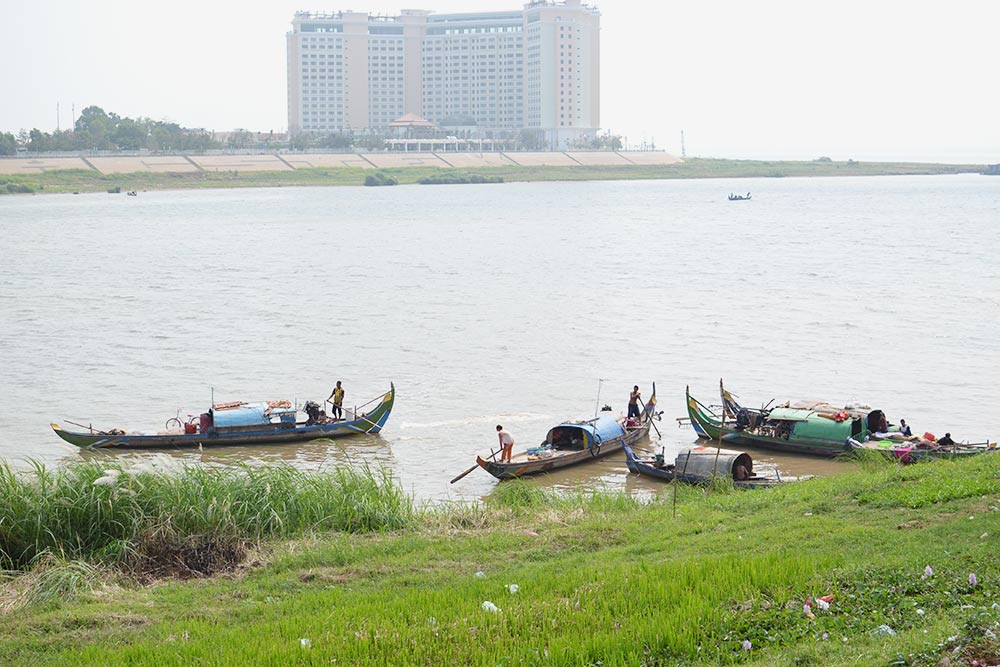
492 457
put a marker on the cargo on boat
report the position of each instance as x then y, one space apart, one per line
239 423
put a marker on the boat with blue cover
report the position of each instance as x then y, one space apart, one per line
571 443
240 423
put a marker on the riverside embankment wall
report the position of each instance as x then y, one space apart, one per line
292 161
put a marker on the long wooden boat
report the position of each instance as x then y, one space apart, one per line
701 465
814 427
245 424
572 443
921 450
786 429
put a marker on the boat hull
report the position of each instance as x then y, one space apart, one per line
371 422
562 459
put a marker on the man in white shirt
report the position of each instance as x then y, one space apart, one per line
506 444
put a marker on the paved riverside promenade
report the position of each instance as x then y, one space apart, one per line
128 164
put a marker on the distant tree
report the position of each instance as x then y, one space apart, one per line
129 135
335 140
531 140
96 127
8 144
241 139
823 159
372 142
38 141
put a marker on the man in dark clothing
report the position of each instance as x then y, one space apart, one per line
946 441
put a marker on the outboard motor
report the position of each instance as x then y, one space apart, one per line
316 414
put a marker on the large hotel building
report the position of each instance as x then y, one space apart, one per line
536 68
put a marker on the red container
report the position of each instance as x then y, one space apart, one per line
190 428
205 422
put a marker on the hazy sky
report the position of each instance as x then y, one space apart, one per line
773 78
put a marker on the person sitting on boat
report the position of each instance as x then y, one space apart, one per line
633 402
904 428
946 441
338 401
506 444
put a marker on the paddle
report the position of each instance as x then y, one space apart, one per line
492 457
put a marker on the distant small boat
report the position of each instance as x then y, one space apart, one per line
702 465
733 197
240 423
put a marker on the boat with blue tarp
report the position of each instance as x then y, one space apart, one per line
240 423
574 442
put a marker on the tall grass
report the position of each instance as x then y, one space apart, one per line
105 513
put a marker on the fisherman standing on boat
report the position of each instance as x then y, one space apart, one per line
506 444
338 401
633 403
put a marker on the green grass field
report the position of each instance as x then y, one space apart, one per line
594 579
81 180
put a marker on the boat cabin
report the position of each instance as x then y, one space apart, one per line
810 425
584 435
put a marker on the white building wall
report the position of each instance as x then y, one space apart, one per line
536 68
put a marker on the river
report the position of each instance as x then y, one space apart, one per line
511 303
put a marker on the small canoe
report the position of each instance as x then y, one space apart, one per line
695 465
243 424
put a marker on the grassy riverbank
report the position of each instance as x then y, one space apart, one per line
600 579
82 180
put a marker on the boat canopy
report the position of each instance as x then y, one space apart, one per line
791 415
584 435
251 414
821 428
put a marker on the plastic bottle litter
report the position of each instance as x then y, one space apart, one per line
513 588
305 643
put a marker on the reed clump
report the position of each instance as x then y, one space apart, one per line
185 520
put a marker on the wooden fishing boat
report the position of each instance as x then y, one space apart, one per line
571 443
922 450
240 423
701 465
568 444
818 428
